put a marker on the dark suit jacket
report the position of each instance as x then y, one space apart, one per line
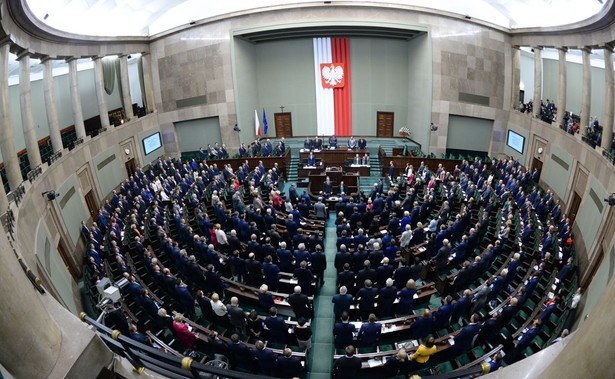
463 340
369 334
277 329
342 334
367 297
287 367
341 304
300 305
346 367
265 359
421 327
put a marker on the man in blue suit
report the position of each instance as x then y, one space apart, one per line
525 341
265 358
465 338
422 326
443 314
277 327
341 302
369 334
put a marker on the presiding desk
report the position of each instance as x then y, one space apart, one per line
333 157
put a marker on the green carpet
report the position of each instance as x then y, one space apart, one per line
321 354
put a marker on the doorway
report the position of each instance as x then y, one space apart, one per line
90 202
574 207
385 122
283 124
131 167
536 164
521 97
72 266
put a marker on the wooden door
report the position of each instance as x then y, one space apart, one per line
283 124
131 167
384 124
537 164
574 207
90 201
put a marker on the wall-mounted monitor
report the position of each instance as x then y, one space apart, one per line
152 143
515 141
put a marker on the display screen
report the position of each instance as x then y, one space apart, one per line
152 143
515 141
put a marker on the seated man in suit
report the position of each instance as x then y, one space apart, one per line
365 160
352 143
362 143
308 144
333 142
357 160
317 143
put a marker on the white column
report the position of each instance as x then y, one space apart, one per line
76 97
50 106
7 142
537 80
125 83
27 118
561 92
99 82
607 131
586 92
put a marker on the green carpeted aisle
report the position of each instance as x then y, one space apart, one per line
321 354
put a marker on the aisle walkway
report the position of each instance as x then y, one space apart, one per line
321 355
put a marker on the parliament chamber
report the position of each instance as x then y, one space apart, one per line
302 189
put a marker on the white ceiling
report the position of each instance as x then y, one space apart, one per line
150 17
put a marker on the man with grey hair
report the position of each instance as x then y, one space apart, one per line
300 304
237 316
386 298
341 302
320 209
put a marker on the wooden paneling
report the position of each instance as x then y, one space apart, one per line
283 124
385 122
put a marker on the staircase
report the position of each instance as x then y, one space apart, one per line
367 183
292 170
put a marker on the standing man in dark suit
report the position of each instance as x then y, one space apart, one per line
265 358
287 366
369 334
343 332
341 302
463 340
276 326
300 304
319 265
366 297
347 366
362 143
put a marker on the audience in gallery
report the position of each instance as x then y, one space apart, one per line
369 255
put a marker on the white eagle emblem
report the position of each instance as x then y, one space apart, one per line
333 75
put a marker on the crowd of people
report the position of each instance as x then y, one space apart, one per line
208 224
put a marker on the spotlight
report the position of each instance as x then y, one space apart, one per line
51 195
433 127
610 200
236 128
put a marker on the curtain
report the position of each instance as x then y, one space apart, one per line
109 69
142 82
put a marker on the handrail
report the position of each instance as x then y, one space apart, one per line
141 356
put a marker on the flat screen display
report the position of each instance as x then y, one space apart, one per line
152 143
515 141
